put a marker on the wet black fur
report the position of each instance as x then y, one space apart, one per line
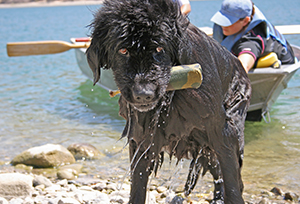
205 125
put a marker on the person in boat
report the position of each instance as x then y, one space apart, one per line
185 6
243 29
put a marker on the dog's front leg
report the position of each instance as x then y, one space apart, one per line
140 171
231 171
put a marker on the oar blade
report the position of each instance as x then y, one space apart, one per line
37 48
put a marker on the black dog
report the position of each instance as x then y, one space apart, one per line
140 40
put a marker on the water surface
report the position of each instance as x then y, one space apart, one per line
46 99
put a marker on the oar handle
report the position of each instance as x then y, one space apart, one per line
41 47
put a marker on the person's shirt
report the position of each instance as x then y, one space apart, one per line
182 2
258 45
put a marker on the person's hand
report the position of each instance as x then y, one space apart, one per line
185 9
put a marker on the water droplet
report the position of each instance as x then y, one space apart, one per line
141 173
158 125
92 89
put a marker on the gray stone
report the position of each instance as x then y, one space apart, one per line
68 174
41 180
3 201
84 151
46 156
291 196
15 185
178 200
67 201
75 167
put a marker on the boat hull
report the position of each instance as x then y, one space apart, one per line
267 83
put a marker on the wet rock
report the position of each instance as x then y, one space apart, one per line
84 151
291 196
69 174
77 167
45 156
15 185
277 191
178 200
41 180
24 168
47 172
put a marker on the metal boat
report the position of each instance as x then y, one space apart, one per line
267 83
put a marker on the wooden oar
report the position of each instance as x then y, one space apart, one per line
52 47
41 47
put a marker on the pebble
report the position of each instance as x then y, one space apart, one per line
102 191
66 184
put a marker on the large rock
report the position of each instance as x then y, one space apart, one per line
45 156
15 185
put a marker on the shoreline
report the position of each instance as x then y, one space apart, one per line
54 3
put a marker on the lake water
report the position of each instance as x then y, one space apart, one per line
46 99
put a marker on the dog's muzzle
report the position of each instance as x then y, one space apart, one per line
145 107
143 98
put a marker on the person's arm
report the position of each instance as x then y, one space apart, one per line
247 61
185 9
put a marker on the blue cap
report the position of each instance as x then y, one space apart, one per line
231 11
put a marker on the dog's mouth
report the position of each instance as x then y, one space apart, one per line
145 107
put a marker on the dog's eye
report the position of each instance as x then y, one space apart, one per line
123 51
159 49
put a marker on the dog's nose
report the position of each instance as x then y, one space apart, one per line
142 95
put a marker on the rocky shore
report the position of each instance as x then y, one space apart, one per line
52 174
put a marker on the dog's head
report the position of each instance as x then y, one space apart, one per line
138 40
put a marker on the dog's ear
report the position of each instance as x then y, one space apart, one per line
96 57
